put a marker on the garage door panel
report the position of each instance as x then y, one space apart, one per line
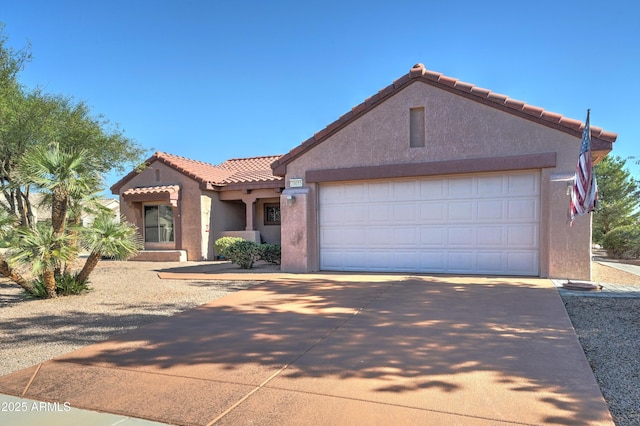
405 260
406 190
461 236
344 237
432 212
460 187
490 236
433 260
522 236
432 188
379 191
524 209
491 186
460 210
379 213
484 223
461 262
405 213
490 210
523 184
432 236
490 262
519 262
403 237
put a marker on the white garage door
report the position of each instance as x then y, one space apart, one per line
471 224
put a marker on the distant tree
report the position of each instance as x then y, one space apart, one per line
619 202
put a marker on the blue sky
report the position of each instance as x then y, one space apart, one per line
214 80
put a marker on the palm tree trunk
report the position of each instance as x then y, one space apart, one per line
59 206
8 272
88 267
50 283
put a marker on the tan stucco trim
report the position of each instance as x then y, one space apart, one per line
434 168
245 186
170 195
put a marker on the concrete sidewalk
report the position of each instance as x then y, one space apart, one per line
341 350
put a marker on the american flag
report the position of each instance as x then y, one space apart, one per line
584 194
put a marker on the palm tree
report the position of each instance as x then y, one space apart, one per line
7 227
66 174
107 237
45 251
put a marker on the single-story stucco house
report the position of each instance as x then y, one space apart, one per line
429 175
432 174
182 206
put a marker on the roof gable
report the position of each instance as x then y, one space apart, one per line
601 139
234 171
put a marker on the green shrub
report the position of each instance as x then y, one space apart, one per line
243 253
270 253
66 285
222 244
623 242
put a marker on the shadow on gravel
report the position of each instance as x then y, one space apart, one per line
81 328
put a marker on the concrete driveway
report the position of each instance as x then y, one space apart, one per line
341 350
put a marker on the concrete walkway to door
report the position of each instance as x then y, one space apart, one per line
341 350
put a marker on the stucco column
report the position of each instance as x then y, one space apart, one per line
569 253
250 211
299 248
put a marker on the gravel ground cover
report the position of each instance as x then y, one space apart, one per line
126 295
609 332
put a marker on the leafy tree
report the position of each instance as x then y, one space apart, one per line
618 202
30 117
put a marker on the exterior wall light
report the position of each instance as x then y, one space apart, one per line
290 200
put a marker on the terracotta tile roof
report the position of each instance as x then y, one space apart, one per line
253 163
199 170
254 169
234 171
419 73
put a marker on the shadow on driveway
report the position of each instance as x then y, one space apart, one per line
341 350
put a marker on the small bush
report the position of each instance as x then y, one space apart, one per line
243 253
270 253
623 242
66 285
222 244
39 290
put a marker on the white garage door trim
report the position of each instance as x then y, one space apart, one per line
471 224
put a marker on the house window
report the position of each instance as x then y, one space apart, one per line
158 224
416 127
272 214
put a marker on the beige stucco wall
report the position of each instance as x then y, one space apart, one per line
456 128
189 217
268 233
